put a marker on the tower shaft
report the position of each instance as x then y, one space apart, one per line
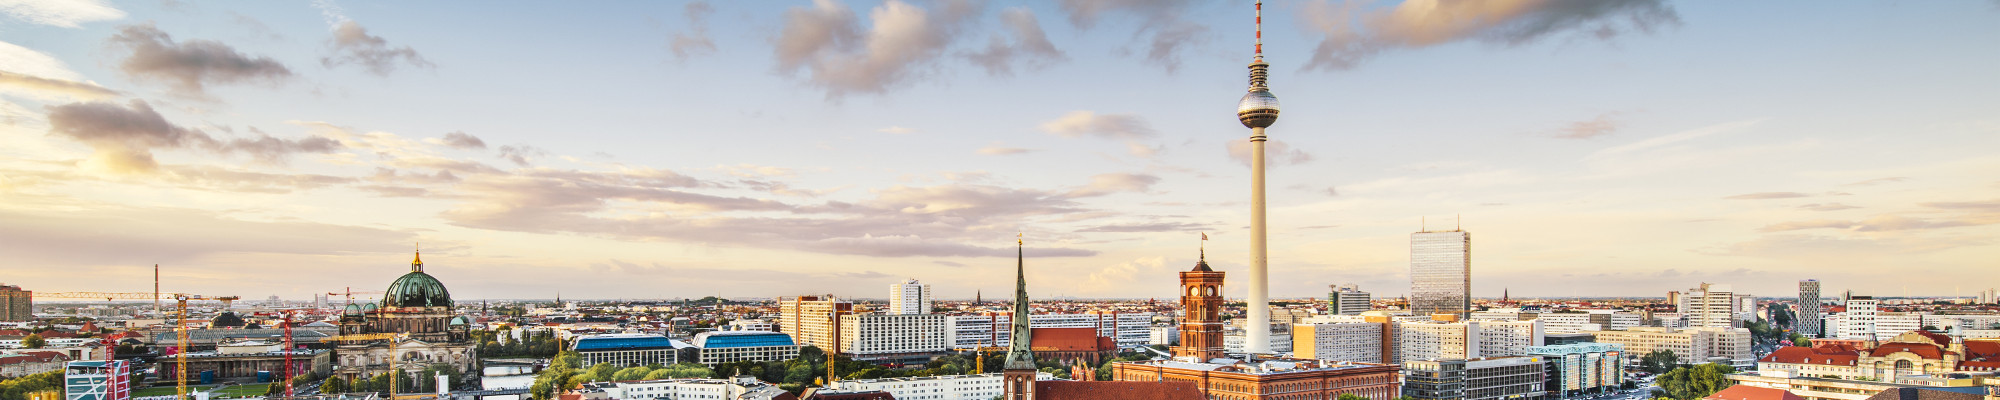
1257 332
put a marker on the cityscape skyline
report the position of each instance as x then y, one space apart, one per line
1641 150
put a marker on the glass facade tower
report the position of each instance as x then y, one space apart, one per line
1441 273
1806 320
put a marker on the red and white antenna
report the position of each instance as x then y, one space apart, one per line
1260 30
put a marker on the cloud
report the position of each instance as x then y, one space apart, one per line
1103 184
190 66
1879 223
459 140
64 88
520 155
1878 181
65 13
1149 227
948 263
1276 152
900 221
897 130
1030 46
105 235
1354 31
25 61
1767 196
1989 205
123 137
695 41
1088 123
997 149
1669 139
1170 33
1827 207
828 42
353 45
1600 126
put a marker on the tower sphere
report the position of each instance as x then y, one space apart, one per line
1258 109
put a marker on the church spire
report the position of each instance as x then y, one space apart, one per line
1020 355
417 264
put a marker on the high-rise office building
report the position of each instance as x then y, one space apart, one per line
1347 299
16 304
1807 321
810 319
1441 272
1715 305
909 297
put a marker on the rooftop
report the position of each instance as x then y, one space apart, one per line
622 342
736 339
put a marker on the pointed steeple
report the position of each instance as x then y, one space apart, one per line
417 264
1201 265
1020 356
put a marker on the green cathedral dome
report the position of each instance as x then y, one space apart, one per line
417 289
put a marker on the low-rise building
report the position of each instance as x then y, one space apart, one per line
31 362
1348 341
98 380
1691 345
944 387
1582 369
1269 378
993 330
741 387
625 350
1435 340
733 346
240 360
1836 389
1478 379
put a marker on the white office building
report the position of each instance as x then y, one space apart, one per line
996 330
909 297
883 336
625 350
1567 322
742 387
1346 341
943 387
1714 305
1692 345
1465 340
1348 299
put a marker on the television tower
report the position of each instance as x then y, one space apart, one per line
1258 110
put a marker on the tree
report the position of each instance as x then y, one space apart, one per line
1659 361
33 341
1350 396
1801 340
1691 383
631 374
333 385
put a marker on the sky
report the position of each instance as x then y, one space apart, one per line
645 150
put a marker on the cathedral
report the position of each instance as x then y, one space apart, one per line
413 328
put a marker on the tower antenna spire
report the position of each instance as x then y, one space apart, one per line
1260 30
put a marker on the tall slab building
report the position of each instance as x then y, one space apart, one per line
909 297
1807 320
1441 273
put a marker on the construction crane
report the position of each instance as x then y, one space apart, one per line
109 296
369 337
349 294
289 348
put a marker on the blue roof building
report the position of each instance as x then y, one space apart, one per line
626 350
732 346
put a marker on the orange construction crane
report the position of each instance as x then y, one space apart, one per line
349 293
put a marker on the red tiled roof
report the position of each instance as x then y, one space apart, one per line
876 395
1831 355
1927 351
1936 338
32 356
1117 390
1747 392
1068 339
